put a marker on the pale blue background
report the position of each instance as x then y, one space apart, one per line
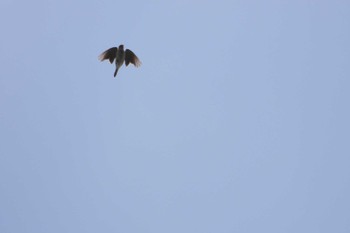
237 121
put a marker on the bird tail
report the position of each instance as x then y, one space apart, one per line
116 71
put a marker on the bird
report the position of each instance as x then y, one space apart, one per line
120 56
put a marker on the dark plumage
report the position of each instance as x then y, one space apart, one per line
120 56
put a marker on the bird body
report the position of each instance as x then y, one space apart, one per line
120 56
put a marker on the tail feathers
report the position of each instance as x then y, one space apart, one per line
116 71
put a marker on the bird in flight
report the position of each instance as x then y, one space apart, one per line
120 57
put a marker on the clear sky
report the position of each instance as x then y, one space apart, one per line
237 120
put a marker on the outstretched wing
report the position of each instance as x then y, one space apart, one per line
130 57
109 54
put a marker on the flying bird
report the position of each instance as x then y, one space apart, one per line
120 56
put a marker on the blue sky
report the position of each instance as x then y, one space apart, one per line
237 120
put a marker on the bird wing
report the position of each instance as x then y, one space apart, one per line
131 57
109 54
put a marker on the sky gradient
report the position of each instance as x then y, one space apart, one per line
237 120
